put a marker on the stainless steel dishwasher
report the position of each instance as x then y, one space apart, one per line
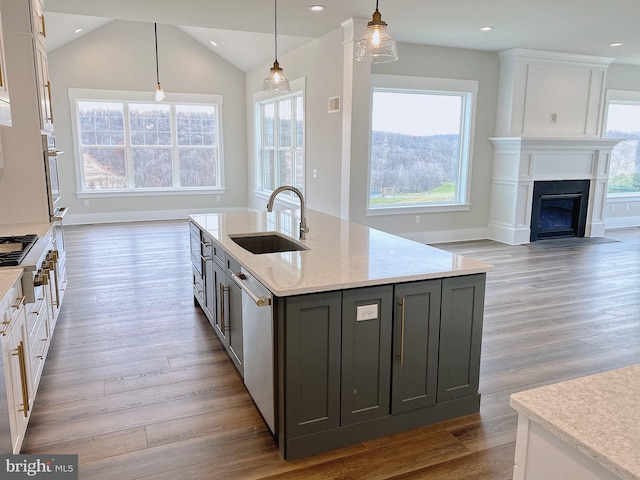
258 341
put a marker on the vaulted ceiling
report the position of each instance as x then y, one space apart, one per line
243 29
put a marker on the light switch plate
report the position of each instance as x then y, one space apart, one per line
366 312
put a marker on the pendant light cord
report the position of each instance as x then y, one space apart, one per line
275 27
155 30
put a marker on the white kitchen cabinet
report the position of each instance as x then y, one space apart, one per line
540 455
27 66
17 368
44 87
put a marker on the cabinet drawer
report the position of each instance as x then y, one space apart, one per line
39 341
35 309
11 307
232 266
219 255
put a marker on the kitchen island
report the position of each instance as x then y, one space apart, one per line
587 428
372 334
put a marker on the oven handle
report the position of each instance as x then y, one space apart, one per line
239 278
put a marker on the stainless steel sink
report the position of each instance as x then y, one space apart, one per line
269 242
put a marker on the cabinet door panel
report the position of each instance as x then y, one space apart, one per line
234 333
312 363
460 336
366 355
415 345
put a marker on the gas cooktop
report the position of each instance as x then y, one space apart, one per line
13 249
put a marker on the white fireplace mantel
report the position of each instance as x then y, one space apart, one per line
520 161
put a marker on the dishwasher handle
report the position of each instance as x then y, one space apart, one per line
239 278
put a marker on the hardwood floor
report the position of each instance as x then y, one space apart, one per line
138 385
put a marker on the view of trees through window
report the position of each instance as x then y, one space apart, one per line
282 142
623 121
128 146
417 148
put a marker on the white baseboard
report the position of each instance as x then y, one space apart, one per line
140 216
621 222
445 236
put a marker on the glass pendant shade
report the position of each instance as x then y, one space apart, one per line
376 46
159 93
276 81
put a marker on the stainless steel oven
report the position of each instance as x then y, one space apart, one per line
56 213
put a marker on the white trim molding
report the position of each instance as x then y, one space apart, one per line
519 161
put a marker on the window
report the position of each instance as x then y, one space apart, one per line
280 140
420 143
136 145
623 121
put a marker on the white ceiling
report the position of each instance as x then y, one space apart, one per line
243 29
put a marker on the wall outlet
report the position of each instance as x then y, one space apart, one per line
217 198
86 203
613 207
553 118
366 312
417 218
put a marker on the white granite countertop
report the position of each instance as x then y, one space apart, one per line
11 229
341 254
599 415
8 277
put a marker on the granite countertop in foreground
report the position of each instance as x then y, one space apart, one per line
8 276
599 415
340 255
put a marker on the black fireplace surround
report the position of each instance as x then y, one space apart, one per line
559 209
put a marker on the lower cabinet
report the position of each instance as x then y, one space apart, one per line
218 295
462 308
17 368
415 345
361 363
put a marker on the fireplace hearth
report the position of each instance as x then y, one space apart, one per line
559 209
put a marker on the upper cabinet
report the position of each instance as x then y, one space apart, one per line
5 109
37 22
44 88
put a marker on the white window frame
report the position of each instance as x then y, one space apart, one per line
297 87
630 97
408 84
124 96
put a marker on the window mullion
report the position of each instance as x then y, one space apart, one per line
128 151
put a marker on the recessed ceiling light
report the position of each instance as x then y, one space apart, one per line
616 44
486 28
213 43
317 8
78 30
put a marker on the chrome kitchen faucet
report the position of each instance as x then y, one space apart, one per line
303 219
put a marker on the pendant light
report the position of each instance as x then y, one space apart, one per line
276 81
159 92
376 46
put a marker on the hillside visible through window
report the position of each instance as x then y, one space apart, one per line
623 121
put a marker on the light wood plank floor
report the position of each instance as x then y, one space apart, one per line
138 385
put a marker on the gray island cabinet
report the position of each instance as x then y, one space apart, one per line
373 334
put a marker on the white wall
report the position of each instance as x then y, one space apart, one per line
320 62
120 56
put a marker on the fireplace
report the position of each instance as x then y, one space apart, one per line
559 209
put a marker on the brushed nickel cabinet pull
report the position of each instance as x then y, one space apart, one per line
402 333
222 290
